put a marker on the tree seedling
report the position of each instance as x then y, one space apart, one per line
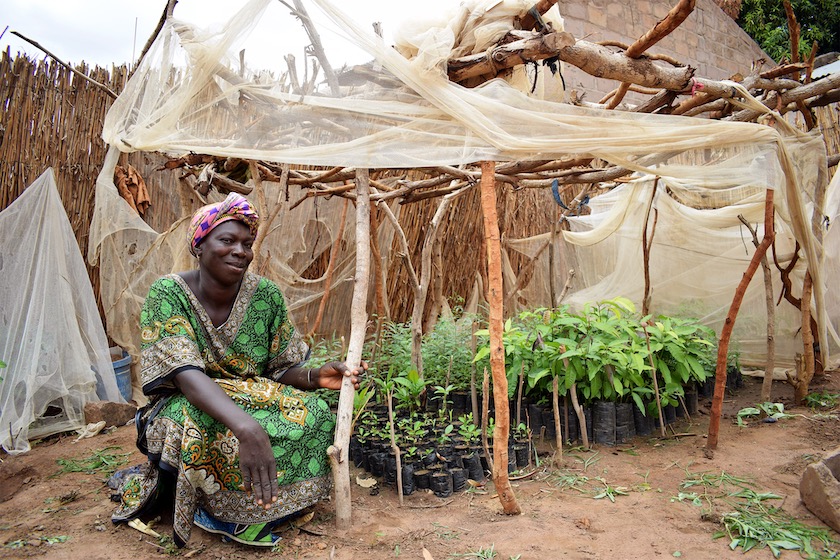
468 430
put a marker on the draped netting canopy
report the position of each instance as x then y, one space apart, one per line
195 92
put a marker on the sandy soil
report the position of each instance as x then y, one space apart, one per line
38 506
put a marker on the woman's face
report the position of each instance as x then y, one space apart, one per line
226 252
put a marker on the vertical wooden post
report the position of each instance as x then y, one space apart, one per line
646 246
805 361
558 432
807 334
497 352
729 324
485 412
394 447
338 452
770 306
473 389
552 247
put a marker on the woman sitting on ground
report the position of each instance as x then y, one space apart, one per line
229 420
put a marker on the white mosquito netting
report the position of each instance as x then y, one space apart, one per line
51 334
196 92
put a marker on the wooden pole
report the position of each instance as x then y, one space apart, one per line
770 362
167 13
807 331
729 324
473 389
662 29
519 388
394 447
82 75
584 430
558 432
646 246
485 405
655 382
805 362
300 12
497 356
380 276
338 452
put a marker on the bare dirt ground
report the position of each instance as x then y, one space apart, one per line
68 515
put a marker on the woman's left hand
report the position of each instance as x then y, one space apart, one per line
329 375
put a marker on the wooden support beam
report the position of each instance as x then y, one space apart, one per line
501 432
729 324
339 452
531 49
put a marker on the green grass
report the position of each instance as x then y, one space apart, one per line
103 461
750 522
822 400
753 524
482 553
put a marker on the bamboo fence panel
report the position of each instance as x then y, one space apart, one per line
52 118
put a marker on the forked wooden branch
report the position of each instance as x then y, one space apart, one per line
167 12
598 60
659 31
404 253
770 362
299 10
662 29
823 86
534 47
729 324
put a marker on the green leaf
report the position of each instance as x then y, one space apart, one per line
665 371
534 376
696 367
639 403
571 377
596 388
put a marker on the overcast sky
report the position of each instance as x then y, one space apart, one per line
105 32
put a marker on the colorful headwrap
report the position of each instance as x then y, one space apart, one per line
234 207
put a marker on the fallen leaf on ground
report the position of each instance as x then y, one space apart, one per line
366 482
143 528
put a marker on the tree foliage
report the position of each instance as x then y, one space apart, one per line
766 23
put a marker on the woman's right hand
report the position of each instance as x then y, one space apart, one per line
256 461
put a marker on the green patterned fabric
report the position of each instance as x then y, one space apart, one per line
247 356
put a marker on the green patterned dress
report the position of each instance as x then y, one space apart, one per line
247 356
